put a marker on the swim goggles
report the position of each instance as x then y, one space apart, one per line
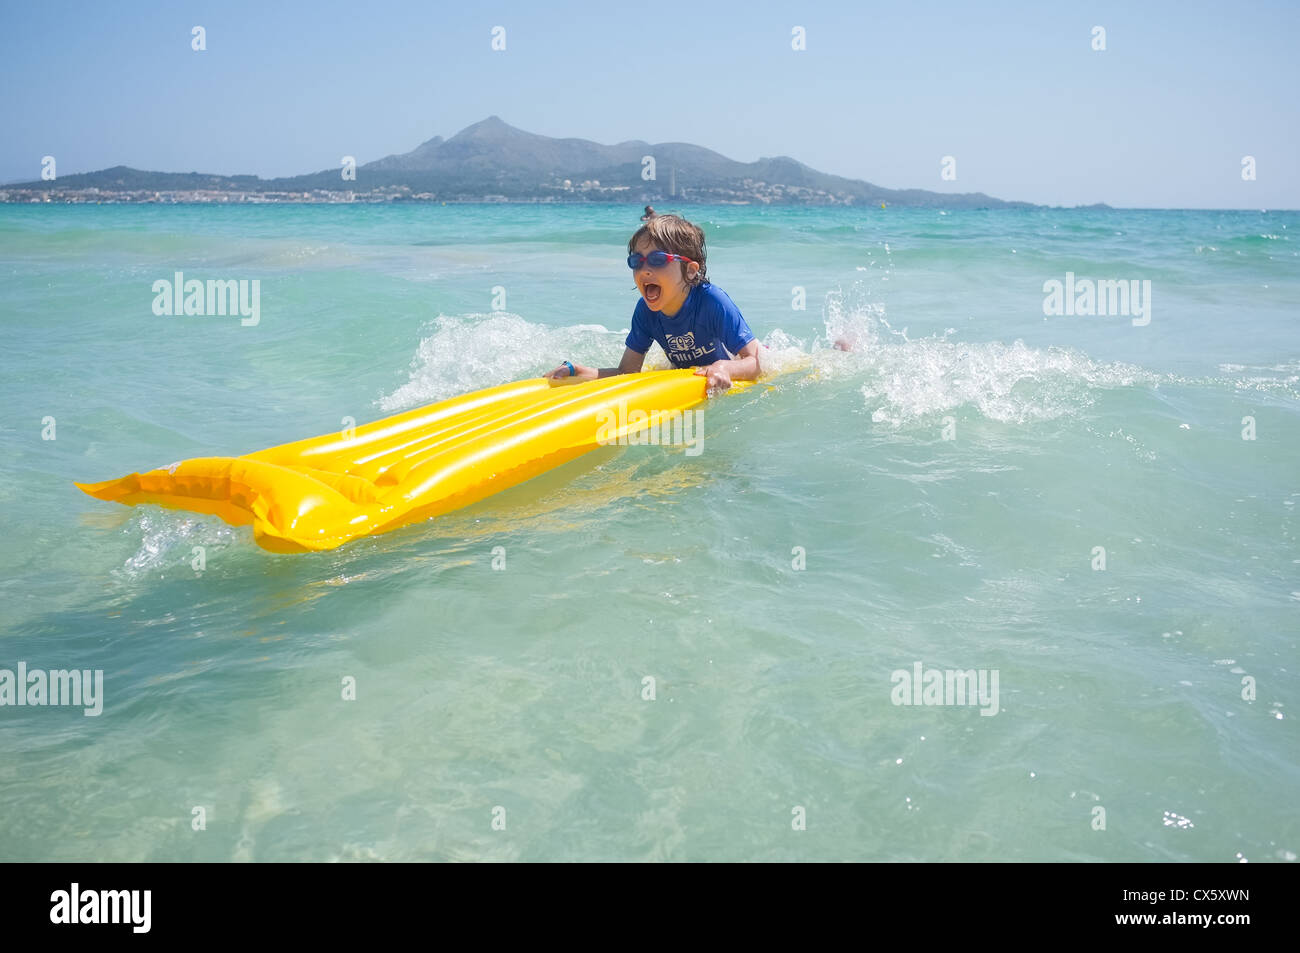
657 259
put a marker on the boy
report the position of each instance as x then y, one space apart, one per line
694 321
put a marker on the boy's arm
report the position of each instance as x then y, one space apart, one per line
743 367
631 364
731 329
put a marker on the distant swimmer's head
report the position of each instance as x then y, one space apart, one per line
667 258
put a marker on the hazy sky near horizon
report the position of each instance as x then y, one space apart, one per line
1013 91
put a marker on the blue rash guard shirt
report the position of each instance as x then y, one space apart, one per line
709 327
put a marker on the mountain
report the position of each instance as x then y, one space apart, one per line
492 159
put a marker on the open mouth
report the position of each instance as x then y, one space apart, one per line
652 292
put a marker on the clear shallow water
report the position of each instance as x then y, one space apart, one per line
522 688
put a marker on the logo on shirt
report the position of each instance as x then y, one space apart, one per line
682 347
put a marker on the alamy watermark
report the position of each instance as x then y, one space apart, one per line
213 297
935 686
80 688
1107 296
665 428
129 907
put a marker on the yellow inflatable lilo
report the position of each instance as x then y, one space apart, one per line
319 493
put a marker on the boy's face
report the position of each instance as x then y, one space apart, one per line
662 288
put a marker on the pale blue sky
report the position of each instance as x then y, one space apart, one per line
1012 90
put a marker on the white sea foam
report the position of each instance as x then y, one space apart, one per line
462 353
910 380
168 541
904 380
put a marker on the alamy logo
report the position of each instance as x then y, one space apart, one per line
77 688
103 906
634 428
935 686
1107 296
213 297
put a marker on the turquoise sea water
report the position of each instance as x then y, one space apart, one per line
517 695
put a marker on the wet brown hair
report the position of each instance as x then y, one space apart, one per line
675 235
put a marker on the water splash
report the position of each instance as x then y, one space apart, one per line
911 380
167 541
903 380
463 353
